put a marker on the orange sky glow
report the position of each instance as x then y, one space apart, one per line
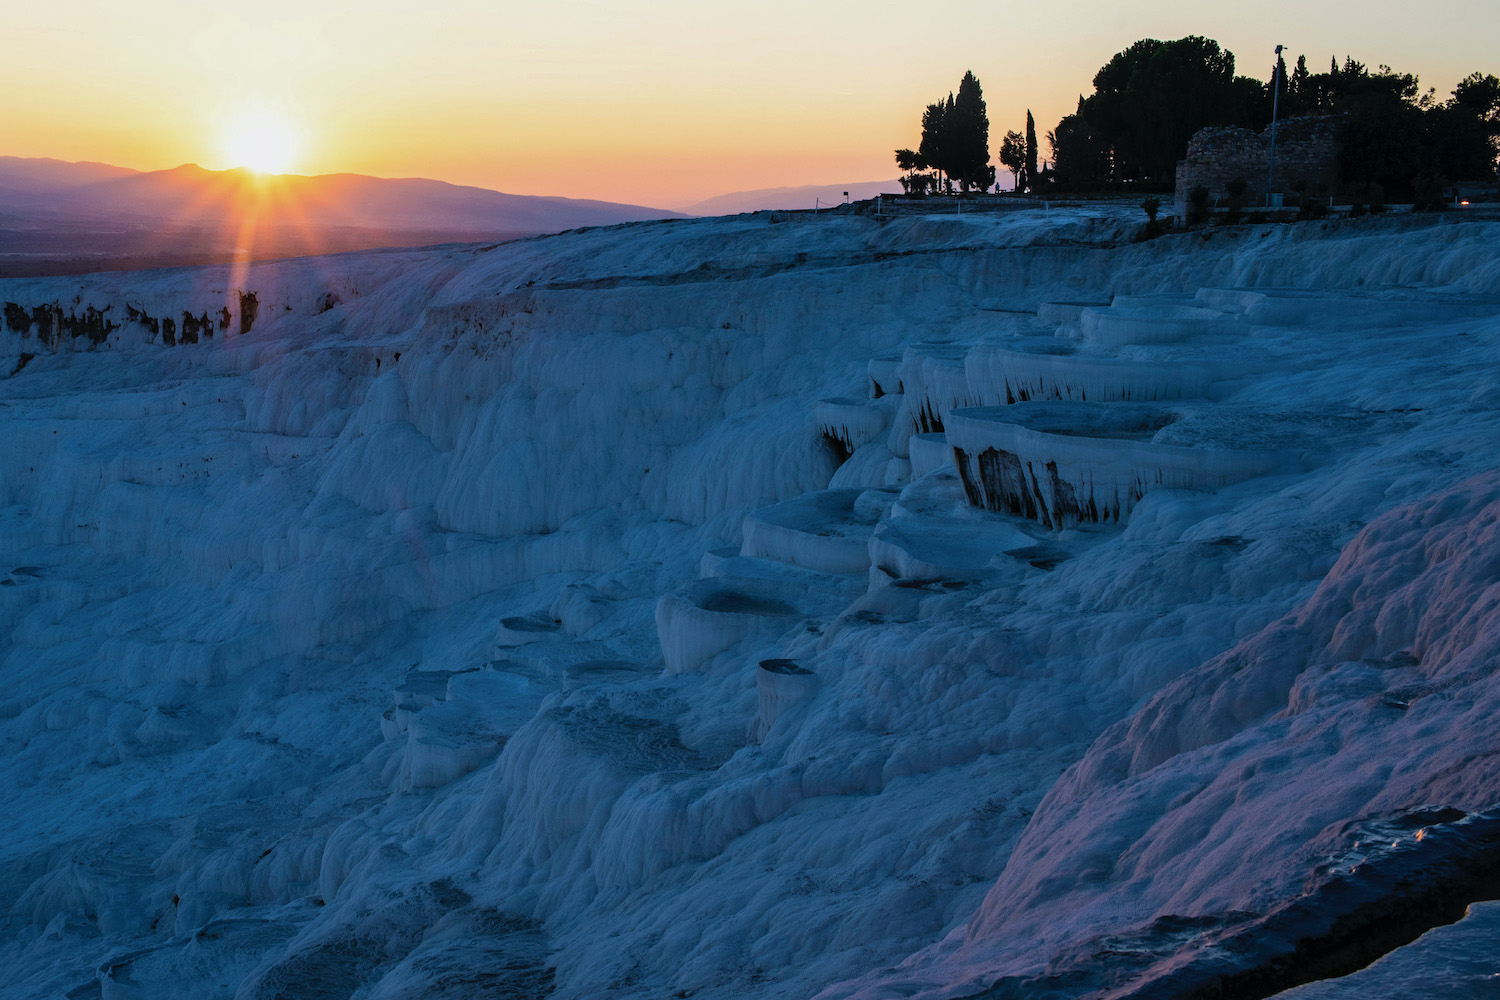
655 102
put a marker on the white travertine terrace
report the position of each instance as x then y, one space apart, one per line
1048 368
929 452
1070 463
817 531
853 423
710 616
781 686
1118 326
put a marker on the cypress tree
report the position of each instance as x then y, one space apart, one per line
936 129
1031 170
970 134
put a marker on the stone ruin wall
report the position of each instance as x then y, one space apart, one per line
1306 153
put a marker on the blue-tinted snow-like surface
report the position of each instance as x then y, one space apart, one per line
366 653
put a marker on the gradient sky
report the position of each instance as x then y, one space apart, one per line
658 102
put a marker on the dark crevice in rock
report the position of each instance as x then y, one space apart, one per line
249 308
838 446
53 323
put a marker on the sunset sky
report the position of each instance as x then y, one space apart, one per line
657 102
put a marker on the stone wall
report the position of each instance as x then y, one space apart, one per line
1306 153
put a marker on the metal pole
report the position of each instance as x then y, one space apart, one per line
1275 107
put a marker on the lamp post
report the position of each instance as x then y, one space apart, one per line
1275 106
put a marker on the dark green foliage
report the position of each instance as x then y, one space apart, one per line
908 160
1480 95
1013 157
1394 134
955 143
1032 174
1366 198
1475 109
915 182
1150 99
1080 159
1459 143
919 185
1151 205
969 136
1382 144
935 142
1429 194
1312 203
1349 89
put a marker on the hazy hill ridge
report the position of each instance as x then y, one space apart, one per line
790 198
61 218
190 194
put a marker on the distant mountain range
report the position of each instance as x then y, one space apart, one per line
60 217
787 198
191 195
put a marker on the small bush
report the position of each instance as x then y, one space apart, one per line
1151 204
1365 199
1314 204
1429 194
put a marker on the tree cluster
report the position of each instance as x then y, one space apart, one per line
955 144
1081 159
1018 153
1148 100
1396 137
1151 98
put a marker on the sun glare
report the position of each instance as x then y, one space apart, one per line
262 143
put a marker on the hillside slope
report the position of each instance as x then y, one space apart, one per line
947 606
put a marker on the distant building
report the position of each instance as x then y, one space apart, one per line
1306 154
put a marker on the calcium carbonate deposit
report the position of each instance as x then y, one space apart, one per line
771 606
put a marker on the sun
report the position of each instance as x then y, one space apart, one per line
262 142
